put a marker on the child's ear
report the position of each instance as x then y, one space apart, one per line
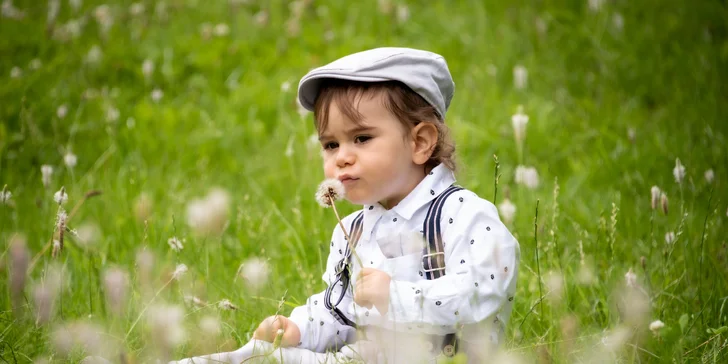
424 140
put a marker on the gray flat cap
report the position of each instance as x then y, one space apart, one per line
426 73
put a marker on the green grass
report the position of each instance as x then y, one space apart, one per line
224 121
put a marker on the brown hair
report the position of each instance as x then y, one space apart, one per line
406 105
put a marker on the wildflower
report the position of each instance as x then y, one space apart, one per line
19 259
116 284
255 271
618 21
35 64
329 191
61 197
519 121
221 30
87 234
194 300
555 284
520 77
70 159
53 7
664 202
210 325
16 72
679 171
670 237
631 134
148 68
56 248
507 210
179 271
209 216
136 9
285 86
527 176
655 194
143 207
709 176
630 278
385 6
11 12
656 326
145 261
226 305
157 95
45 293
75 4
46 173
261 18
165 322
94 55
112 114
403 13
103 16
5 196
596 5
62 111
175 244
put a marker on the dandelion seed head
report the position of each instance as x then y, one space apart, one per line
5 197
62 111
221 30
664 203
655 194
519 121
157 95
210 325
145 261
194 300
35 64
329 191
46 172
147 68
670 237
166 323
618 21
136 9
112 114
261 18
94 55
403 13
16 72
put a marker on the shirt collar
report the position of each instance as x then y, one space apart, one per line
434 183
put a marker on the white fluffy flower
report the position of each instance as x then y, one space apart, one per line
70 159
596 5
221 30
5 197
112 114
194 300
630 278
527 176
157 95
618 21
148 68
116 285
94 55
670 237
507 210
520 77
136 9
35 64
75 4
62 111
329 191
679 171
286 86
60 197
175 244
255 271
209 216
226 305
655 196
16 72
656 326
210 325
179 271
46 172
709 176
166 324
519 121
403 13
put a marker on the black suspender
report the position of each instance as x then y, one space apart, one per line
433 259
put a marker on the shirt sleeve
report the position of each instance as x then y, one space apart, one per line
320 331
481 267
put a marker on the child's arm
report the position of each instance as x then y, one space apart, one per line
481 270
319 329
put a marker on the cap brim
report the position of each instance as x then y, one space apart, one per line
309 87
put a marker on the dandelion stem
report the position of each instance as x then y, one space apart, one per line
348 238
702 240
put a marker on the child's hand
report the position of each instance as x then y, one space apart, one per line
372 289
268 329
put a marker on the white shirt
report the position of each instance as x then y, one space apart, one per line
481 259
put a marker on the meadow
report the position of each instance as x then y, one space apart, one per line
158 175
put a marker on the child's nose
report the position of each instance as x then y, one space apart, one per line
345 156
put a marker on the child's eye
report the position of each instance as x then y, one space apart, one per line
362 138
331 145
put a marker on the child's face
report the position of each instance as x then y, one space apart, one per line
374 160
